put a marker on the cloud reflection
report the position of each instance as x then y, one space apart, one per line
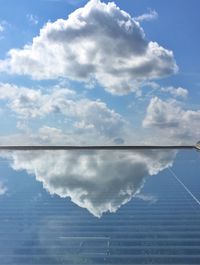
100 181
3 188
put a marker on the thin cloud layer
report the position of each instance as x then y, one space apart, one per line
98 43
98 181
171 121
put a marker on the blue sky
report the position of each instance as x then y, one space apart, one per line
132 106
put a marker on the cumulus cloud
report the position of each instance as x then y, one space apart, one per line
32 103
97 43
86 121
170 121
100 181
85 114
151 15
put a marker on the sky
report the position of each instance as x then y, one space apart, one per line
99 72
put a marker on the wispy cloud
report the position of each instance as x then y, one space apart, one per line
3 188
177 92
1 27
33 19
151 15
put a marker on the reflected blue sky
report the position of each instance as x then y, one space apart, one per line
160 224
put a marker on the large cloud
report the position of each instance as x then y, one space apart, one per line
96 43
171 122
98 181
85 114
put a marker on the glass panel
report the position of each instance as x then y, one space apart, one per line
99 207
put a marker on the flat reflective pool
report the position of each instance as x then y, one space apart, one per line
100 207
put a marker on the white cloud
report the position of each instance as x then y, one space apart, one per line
98 181
32 19
176 92
152 15
45 135
86 115
97 43
48 135
32 103
171 122
147 197
173 91
86 121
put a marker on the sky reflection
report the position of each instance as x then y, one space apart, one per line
159 226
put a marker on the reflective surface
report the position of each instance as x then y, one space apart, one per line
100 207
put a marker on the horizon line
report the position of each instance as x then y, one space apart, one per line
94 147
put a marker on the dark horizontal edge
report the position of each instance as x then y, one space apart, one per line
94 147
